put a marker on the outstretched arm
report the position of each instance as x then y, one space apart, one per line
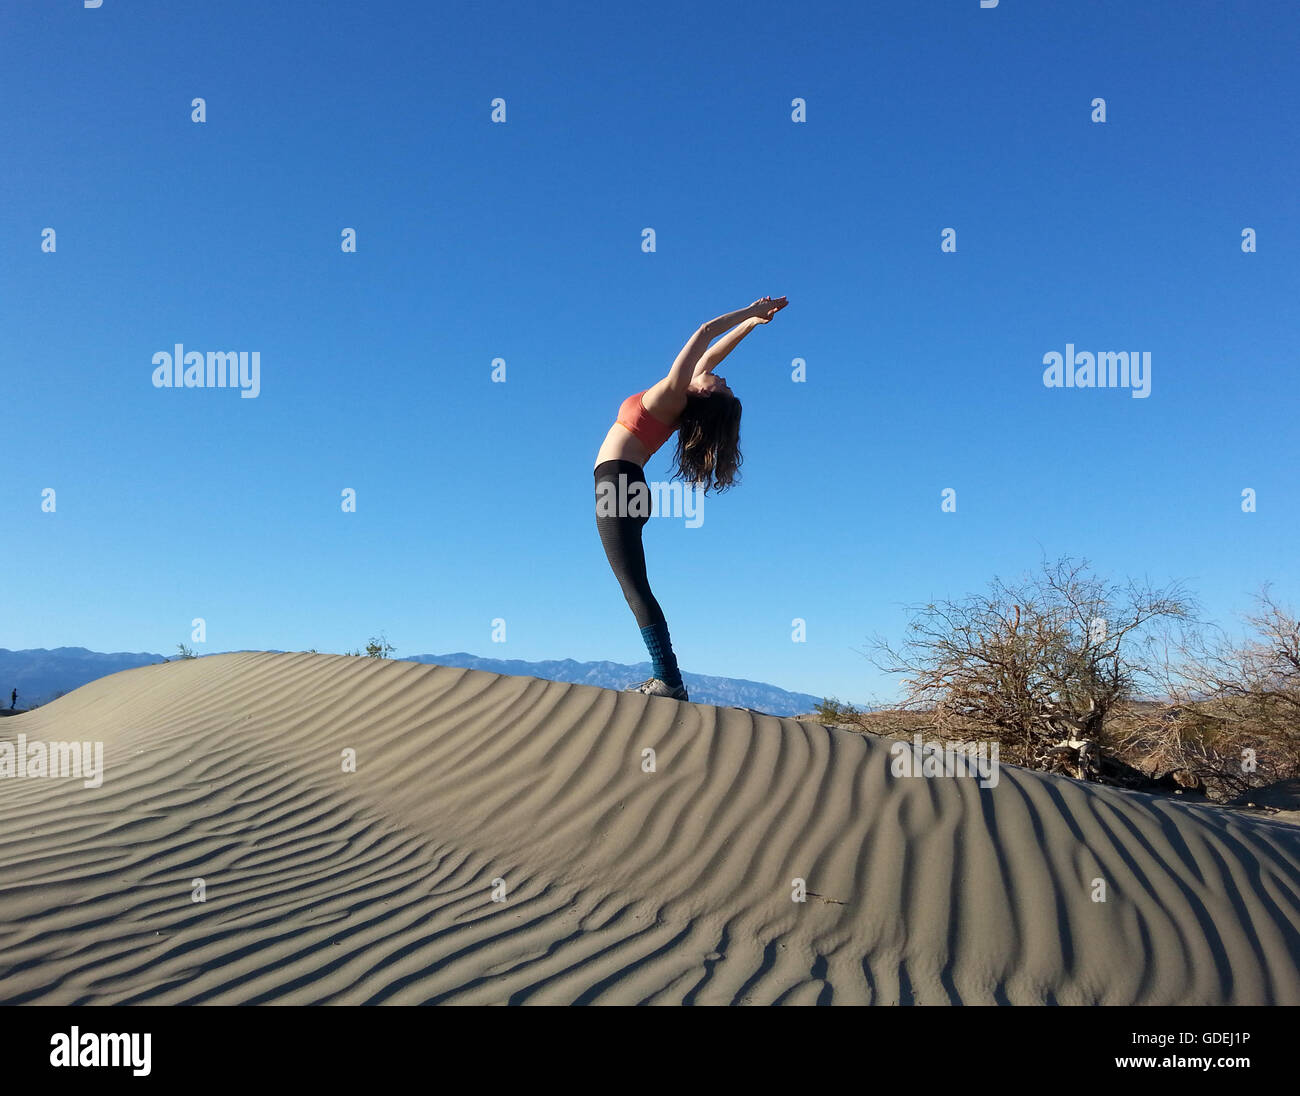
684 367
712 358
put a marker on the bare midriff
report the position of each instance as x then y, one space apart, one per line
621 444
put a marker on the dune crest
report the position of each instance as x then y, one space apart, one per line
620 885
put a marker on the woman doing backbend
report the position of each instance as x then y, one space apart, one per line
704 412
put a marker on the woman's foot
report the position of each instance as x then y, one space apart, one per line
655 687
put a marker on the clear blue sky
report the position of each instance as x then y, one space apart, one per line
523 241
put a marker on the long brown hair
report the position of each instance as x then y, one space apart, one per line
708 441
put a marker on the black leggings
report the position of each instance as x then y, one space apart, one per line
620 533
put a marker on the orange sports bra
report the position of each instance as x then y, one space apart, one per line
647 429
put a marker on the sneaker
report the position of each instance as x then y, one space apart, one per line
655 687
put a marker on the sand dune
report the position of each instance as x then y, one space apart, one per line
621 886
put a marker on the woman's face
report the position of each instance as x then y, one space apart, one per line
709 383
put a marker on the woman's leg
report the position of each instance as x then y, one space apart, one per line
620 535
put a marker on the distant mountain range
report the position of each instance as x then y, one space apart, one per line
42 675
703 688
